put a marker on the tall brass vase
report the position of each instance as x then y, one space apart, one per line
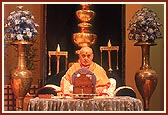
21 77
146 78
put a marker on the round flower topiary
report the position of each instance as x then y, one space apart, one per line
144 26
20 26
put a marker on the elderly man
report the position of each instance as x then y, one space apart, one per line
85 60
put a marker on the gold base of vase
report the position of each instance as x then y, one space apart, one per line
146 81
21 80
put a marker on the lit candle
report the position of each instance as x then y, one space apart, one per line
58 58
109 44
109 56
58 48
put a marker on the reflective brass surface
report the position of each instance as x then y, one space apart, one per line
84 37
21 77
146 81
146 78
85 15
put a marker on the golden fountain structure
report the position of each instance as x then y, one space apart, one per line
84 37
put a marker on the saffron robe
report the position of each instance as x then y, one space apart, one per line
102 81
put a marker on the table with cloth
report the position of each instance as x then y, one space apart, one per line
117 103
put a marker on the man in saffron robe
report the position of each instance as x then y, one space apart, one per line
85 60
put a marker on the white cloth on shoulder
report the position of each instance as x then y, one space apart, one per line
111 89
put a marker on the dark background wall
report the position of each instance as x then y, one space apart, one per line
106 24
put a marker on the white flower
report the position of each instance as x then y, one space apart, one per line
12 35
35 30
17 21
19 37
36 24
150 30
28 21
29 34
9 17
23 18
27 29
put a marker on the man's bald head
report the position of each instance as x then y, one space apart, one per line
86 49
85 56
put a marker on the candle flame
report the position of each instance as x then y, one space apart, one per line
58 48
109 44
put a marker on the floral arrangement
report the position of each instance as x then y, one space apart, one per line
20 26
144 26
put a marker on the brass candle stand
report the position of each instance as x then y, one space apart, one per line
109 48
58 54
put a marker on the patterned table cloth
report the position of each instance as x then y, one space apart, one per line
118 103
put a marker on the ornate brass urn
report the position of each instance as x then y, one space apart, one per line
146 78
21 77
84 37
